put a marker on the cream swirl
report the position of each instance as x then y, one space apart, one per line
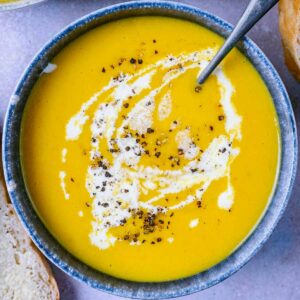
123 184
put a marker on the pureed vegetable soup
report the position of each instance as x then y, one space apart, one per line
136 170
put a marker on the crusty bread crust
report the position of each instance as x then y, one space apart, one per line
15 229
45 264
289 25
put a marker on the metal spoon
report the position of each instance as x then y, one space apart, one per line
255 10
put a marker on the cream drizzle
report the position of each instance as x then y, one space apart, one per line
194 223
64 152
170 240
50 68
62 176
186 144
165 106
129 182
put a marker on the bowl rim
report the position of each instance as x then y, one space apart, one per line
176 288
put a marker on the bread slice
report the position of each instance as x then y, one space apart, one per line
24 273
289 25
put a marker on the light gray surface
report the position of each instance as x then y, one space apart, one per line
274 273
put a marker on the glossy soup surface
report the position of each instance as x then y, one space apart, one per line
133 168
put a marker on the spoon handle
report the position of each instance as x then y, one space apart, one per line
255 10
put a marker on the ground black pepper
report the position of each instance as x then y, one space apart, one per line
198 88
157 154
150 130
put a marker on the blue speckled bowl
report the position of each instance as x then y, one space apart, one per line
53 250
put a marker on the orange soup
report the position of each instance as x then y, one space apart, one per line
135 169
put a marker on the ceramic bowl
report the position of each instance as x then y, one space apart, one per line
17 4
60 256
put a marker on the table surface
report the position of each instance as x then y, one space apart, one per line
275 271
